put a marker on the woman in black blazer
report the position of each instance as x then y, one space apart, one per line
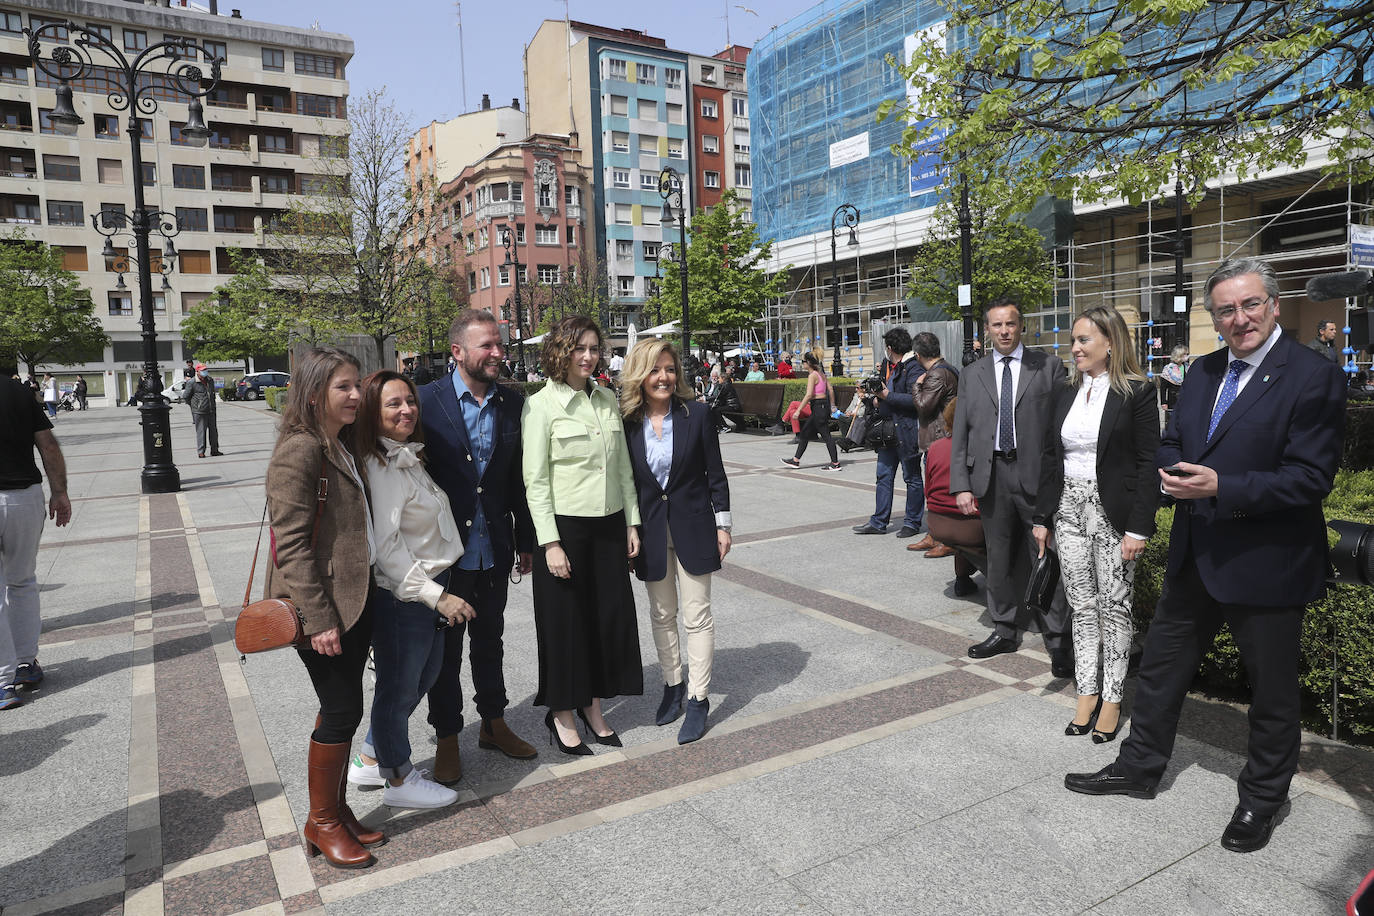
1098 488
684 508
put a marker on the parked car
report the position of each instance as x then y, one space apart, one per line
250 387
176 392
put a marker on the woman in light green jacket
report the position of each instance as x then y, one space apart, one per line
581 495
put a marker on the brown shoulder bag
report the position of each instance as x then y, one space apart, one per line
273 623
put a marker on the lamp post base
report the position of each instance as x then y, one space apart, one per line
161 479
836 369
160 475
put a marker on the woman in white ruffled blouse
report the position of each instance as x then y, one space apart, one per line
417 542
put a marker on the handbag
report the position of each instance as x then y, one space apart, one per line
882 434
1044 578
274 623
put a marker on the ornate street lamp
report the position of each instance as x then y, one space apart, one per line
671 190
513 263
846 215
132 87
665 253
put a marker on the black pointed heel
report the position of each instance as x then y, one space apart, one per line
1101 737
1076 730
577 750
611 740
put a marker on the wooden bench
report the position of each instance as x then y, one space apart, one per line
759 402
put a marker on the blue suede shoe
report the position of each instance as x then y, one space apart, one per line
9 697
670 707
694 725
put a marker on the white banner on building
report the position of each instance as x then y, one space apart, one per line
850 149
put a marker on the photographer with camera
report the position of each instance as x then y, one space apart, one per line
893 436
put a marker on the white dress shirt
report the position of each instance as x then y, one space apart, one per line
417 537
1252 363
1081 428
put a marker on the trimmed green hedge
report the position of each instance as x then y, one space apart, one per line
1338 627
274 397
1357 454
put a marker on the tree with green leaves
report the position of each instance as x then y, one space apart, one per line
1009 259
47 317
440 294
726 287
249 315
1097 101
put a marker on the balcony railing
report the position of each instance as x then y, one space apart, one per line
574 211
227 103
24 174
235 188
26 128
62 221
235 228
21 220
500 209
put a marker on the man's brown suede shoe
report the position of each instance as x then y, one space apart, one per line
448 765
496 735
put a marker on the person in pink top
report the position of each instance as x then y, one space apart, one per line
818 396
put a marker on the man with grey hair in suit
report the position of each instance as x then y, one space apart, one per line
999 426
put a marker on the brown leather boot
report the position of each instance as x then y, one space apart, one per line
939 551
364 835
448 766
496 735
324 831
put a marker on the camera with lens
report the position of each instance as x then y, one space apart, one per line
1353 556
870 385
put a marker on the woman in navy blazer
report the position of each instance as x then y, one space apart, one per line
1098 490
684 508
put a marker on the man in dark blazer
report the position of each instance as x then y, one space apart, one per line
472 437
894 402
1249 454
995 469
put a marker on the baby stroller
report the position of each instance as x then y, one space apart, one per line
67 401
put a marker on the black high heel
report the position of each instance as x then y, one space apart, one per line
611 740
577 750
1101 737
1076 730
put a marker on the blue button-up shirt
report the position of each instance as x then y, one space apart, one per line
658 453
480 421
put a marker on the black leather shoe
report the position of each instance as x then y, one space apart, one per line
907 532
868 529
1061 663
993 645
964 585
1248 831
1108 781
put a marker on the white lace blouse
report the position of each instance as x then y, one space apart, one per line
1081 427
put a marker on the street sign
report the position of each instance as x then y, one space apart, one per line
1362 245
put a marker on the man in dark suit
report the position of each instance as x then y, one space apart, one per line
472 435
1249 454
999 425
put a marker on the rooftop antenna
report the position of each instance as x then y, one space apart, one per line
727 19
462 56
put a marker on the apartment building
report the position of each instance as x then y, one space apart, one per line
534 189
720 128
621 97
442 149
279 124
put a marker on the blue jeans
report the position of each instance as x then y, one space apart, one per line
888 459
408 651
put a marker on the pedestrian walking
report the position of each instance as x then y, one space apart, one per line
818 397
80 392
50 394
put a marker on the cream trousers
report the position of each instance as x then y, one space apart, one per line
679 589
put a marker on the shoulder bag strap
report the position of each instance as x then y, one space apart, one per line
322 492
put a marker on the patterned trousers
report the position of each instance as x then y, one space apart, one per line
1098 586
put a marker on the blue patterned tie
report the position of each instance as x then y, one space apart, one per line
1229 389
1006 411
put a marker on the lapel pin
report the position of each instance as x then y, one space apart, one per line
1266 378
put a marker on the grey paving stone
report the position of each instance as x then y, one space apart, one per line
776 899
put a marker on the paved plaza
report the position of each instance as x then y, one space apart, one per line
858 760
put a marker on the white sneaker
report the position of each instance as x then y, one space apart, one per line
418 792
362 774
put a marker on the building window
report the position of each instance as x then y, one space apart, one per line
317 64
520 238
11 72
675 149
517 190
149 174
274 143
711 179
741 143
740 106
616 69
620 106
11 22
485 281
743 177
216 50
274 59
647 110
624 249
646 74
709 109
544 197
104 31
625 286
109 171
710 144
194 262
61 168
651 251
572 235
546 235
571 196
121 304
502 275
45 124
276 184
648 181
135 40
623 214
58 35
620 178
483 237
672 77
708 73
74 257
145 128
66 213
188 176
676 114
648 145
107 126
620 142
318 106
192 219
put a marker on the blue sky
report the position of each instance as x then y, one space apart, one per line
411 46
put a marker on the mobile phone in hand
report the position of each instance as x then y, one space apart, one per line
1176 471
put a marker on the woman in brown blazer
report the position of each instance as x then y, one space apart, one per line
322 560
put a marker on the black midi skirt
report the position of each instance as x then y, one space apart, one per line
585 625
